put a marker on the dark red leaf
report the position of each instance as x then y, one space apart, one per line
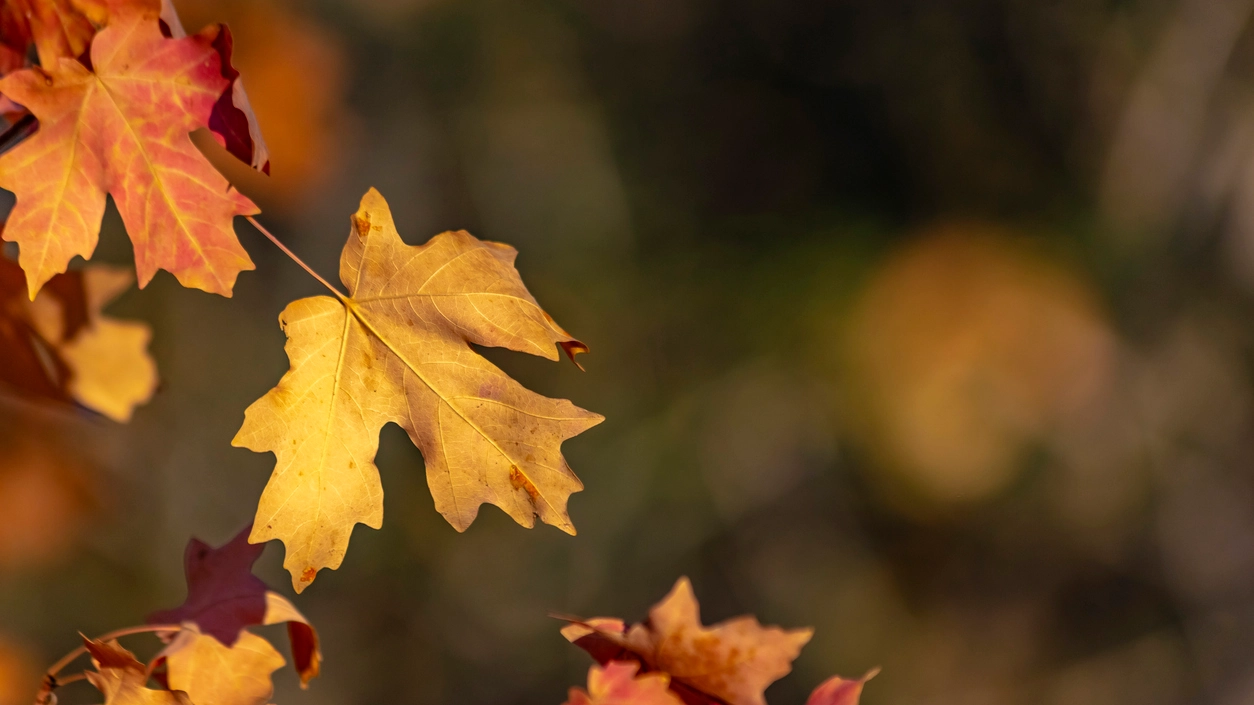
223 595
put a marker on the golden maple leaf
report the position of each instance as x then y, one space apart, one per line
123 679
212 673
397 349
733 661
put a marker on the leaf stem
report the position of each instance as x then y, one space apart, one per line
294 258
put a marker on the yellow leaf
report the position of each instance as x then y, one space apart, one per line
397 349
111 370
214 674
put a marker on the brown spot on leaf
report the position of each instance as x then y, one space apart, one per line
307 575
520 481
361 225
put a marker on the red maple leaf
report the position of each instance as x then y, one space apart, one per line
121 128
223 595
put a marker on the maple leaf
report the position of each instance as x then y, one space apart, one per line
212 673
122 678
733 661
224 598
60 347
122 129
840 691
397 349
223 595
618 684
232 120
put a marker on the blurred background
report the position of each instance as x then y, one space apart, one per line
927 323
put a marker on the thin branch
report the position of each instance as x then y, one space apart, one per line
295 259
80 676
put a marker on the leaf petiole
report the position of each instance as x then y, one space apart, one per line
294 258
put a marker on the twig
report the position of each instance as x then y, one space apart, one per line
80 676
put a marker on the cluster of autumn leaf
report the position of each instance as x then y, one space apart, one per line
209 656
116 96
108 110
685 663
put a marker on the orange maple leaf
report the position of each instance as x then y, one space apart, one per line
733 661
122 128
618 684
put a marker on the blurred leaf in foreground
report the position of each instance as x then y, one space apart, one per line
61 348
